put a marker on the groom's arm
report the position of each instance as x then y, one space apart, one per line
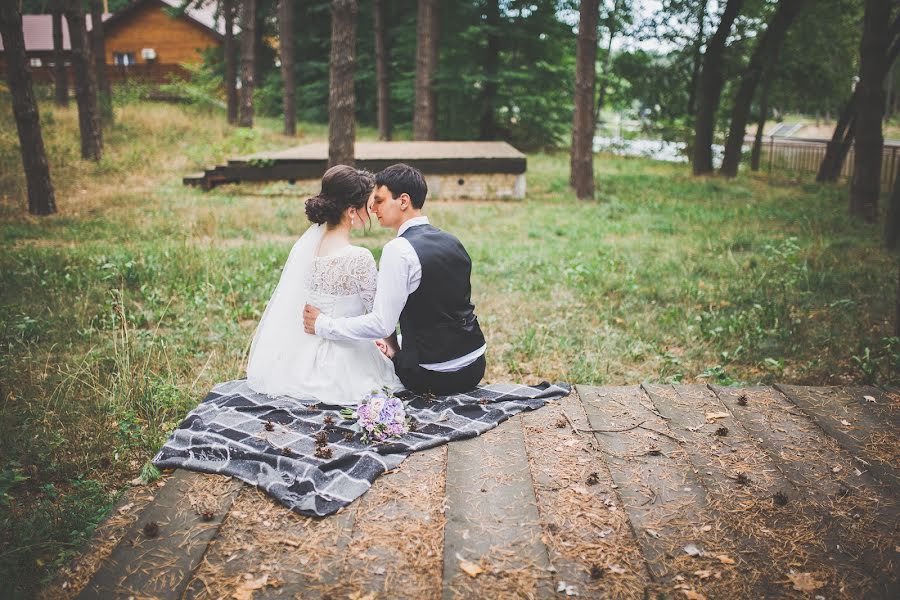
397 279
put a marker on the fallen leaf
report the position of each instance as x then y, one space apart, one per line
247 586
725 559
470 568
805 582
836 469
127 507
570 590
869 399
717 415
692 550
692 595
706 528
652 533
703 573
845 422
617 570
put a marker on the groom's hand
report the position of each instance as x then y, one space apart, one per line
310 314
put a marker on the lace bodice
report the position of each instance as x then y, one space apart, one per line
346 273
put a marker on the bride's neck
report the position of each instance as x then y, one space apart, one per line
341 231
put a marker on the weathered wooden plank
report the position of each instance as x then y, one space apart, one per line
493 529
784 537
665 499
857 520
585 527
872 442
157 561
884 405
265 548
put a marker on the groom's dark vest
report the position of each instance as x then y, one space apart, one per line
438 322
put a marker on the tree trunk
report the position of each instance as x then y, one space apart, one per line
60 73
897 313
98 50
583 126
487 127
698 58
607 63
761 121
842 138
866 184
341 96
764 55
710 89
892 227
85 84
231 59
425 116
286 39
382 77
248 61
41 199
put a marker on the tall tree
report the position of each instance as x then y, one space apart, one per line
248 61
866 184
231 58
710 89
761 120
764 55
892 227
583 126
341 96
85 83
487 126
425 116
41 199
382 77
60 73
98 50
286 41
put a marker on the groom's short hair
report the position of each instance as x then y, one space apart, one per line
402 178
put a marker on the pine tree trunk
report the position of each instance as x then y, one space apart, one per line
761 121
231 58
897 312
765 54
382 77
98 50
837 148
248 61
85 84
487 127
60 73
697 60
583 126
892 227
866 185
286 38
710 89
341 96
425 115
41 199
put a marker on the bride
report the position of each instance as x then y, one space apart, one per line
325 270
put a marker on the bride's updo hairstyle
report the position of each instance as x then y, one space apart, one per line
343 187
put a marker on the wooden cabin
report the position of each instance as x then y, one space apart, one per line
144 41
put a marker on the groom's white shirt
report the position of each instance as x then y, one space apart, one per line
399 275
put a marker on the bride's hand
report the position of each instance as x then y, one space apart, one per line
310 314
385 348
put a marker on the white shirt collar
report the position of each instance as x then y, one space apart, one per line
423 220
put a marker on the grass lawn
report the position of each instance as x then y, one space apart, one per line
118 313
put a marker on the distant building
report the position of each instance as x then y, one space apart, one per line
144 41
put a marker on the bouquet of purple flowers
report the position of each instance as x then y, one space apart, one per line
379 416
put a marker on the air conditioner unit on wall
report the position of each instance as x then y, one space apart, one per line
148 54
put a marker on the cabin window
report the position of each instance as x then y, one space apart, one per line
35 62
123 59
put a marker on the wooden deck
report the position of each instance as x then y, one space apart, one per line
613 492
310 161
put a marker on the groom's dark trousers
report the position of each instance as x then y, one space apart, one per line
422 381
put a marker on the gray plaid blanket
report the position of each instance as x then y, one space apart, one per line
279 444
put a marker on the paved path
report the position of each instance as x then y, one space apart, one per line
614 492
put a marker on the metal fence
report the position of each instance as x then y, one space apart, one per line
805 156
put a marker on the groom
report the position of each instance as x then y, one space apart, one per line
424 283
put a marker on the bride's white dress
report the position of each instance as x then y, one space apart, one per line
286 361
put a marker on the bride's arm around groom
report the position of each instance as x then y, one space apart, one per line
424 284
